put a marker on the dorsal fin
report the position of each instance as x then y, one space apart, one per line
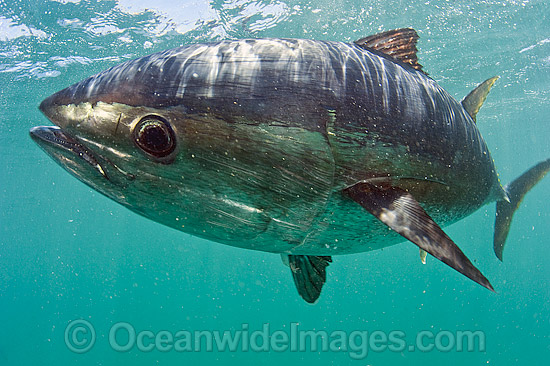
473 101
398 43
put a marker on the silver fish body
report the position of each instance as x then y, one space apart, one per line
270 144
269 132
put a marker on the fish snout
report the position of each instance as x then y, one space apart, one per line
54 107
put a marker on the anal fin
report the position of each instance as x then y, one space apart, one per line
309 273
399 210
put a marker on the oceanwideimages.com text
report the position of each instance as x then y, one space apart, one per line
80 337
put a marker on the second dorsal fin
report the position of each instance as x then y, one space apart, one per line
473 101
398 43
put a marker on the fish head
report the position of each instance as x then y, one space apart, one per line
109 136
156 137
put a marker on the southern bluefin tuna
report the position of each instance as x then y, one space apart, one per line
304 148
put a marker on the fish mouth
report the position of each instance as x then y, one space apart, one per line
69 152
79 156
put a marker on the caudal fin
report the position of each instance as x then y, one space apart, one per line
516 190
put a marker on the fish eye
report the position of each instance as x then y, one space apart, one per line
153 135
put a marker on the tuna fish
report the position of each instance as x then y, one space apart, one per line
305 148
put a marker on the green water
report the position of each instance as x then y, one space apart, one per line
68 253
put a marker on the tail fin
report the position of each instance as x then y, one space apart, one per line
516 191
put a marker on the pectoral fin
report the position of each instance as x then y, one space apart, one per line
309 273
400 211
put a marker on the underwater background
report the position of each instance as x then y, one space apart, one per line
68 254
